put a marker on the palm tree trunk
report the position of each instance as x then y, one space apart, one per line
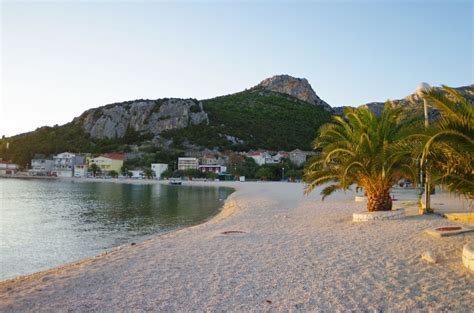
379 201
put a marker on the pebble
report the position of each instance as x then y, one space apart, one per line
428 256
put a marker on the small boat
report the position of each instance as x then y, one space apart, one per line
175 181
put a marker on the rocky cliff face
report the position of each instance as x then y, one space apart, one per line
145 116
296 87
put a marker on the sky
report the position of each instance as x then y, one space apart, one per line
61 58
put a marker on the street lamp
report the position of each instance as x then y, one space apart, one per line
283 174
421 89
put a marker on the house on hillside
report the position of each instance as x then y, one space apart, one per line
64 164
298 157
275 157
41 167
258 156
188 163
8 168
108 162
209 159
283 155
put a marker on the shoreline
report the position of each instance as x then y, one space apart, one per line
214 217
297 252
223 212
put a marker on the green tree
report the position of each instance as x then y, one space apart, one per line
366 150
178 174
194 173
211 175
148 173
123 170
167 174
94 168
448 144
113 173
293 174
264 173
246 167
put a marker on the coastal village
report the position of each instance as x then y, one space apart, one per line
112 165
174 156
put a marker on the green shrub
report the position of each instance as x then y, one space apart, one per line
195 108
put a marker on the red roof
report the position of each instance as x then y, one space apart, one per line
115 156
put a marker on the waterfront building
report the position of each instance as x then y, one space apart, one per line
217 169
80 170
41 167
108 162
8 168
188 163
158 169
64 164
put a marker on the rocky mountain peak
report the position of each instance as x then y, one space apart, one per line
299 88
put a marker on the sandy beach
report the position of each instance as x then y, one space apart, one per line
270 249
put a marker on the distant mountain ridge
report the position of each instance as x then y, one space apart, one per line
280 113
411 102
157 116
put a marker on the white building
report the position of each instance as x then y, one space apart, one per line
80 170
137 174
187 164
8 168
158 169
41 167
275 158
258 156
264 157
64 164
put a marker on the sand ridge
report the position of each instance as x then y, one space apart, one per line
294 253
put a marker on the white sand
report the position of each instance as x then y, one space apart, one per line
297 254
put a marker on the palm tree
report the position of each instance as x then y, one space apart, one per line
449 143
94 168
148 173
365 150
124 170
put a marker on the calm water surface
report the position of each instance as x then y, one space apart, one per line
47 223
